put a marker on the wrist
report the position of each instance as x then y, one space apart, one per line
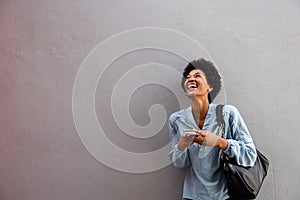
181 147
222 143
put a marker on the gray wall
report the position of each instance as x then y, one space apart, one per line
255 44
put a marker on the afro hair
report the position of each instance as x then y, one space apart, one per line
211 72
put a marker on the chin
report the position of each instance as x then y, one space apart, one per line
191 94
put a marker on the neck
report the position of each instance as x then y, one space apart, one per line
199 108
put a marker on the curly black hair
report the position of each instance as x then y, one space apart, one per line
211 72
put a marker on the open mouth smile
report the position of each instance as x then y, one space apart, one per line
192 86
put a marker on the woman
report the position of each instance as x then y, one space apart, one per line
200 153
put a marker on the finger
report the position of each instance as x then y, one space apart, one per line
185 135
203 133
197 131
198 140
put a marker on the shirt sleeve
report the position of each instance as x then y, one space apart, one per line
240 143
180 159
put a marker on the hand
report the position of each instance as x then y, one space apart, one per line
209 139
185 141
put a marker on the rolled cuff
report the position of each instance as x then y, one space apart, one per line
227 151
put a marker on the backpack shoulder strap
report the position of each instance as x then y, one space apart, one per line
220 120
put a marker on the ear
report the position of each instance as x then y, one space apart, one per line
209 88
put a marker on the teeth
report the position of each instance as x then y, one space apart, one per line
192 86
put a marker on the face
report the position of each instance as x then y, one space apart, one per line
196 84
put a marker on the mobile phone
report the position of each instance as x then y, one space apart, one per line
189 131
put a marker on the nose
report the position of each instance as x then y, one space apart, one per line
191 78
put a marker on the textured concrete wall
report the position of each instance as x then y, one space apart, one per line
255 44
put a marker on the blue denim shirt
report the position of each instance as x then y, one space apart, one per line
204 179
